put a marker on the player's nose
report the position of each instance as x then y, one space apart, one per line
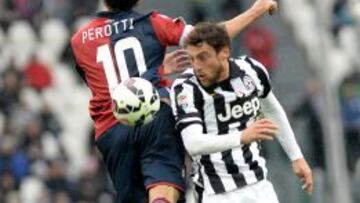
198 70
197 67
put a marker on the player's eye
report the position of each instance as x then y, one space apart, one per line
202 57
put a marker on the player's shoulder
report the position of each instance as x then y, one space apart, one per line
246 61
162 20
257 73
157 14
165 18
77 36
251 65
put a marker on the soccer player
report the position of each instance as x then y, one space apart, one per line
144 161
218 111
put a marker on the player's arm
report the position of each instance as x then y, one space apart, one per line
173 32
235 25
189 123
273 110
198 143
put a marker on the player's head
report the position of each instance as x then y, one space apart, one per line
121 5
208 46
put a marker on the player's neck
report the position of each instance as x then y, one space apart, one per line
226 71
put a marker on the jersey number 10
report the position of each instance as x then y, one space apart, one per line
104 56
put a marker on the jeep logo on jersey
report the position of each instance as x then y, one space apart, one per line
236 111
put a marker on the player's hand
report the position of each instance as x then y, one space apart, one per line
264 6
263 129
303 171
176 62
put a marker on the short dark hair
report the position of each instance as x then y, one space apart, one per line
121 5
213 34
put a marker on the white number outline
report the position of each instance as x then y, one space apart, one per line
104 56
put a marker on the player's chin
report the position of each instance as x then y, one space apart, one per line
204 82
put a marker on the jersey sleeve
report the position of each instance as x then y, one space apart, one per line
272 109
170 32
183 105
262 75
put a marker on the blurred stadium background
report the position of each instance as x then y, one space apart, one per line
311 48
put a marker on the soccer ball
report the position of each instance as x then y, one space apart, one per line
135 102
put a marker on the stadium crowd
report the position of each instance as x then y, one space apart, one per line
35 164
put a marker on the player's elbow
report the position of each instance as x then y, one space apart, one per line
193 146
192 150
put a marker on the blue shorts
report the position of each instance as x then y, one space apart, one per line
138 158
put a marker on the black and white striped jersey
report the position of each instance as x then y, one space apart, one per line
224 108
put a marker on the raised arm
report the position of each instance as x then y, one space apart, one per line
235 25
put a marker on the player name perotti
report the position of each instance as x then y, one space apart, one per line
236 110
112 27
